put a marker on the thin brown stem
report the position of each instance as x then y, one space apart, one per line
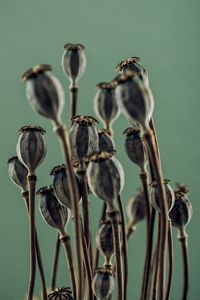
73 96
151 272
125 246
183 238
55 262
170 261
156 271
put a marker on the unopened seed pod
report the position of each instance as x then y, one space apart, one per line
134 147
181 212
155 199
64 293
18 173
55 214
106 143
133 64
74 61
105 176
61 187
103 283
104 240
31 148
135 98
136 208
105 104
83 137
44 92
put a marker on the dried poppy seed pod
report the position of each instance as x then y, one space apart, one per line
105 177
135 98
31 148
105 104
55 214
135 148
155 195
181 212
103 283
104 241
136 208
44 92
74 61
106 143
133 64
83 137
64 293
60 185
18 173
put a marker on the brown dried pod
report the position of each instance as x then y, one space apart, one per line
155 195
134 98
74 61
18 173
55 214
106 143
105 176
31 148
63 293
105 104
181 212
83 137
104 241
44 92
60 185
103 283
136 208
135 148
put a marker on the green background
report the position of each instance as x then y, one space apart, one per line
165 34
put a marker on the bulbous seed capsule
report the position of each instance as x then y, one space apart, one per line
134 147
18 173
64 293
181 212
31 148
60 185
106 143
104 240
133 64
155 195
83 137
105 104
134 97
55 214
105 176
136 208
103 283
74 61
44 92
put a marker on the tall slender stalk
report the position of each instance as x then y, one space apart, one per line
55 262
73 95
156 270
171 261
183 238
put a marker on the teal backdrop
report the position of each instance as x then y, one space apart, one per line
165 34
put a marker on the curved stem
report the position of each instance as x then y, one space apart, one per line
183 238
125 247
171 261
55 263
73 95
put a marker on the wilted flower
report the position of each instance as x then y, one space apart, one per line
18 173
64 293
136 208
106 143
44 92
104 240
103 283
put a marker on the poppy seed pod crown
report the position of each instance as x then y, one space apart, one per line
18 173
44 92
64 293
103 283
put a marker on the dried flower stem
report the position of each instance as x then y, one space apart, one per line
125 246
38 252
67 245
156 270
183 238
171 261
55 262
61 131
73 93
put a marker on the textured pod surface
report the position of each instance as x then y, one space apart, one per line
136 208
83 137
105 176
74 61
106 143
104 240
105 103
31 148
103 283
61 294
134 147
44 92
18 173
155 195
135 98
60 185
55 214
